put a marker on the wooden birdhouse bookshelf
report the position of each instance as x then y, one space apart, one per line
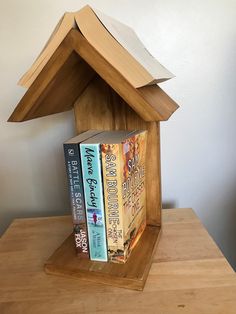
79 76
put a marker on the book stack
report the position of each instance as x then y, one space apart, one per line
106 178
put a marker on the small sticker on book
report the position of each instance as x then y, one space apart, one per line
71 152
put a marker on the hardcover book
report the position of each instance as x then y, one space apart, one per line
123 160
75 183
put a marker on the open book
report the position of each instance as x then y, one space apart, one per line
117 42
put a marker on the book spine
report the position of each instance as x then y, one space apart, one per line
94 201
111 165
75 183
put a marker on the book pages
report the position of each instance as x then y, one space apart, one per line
116 42
65 24
98 36
127 37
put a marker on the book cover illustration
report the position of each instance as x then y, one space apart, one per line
124 192
94 202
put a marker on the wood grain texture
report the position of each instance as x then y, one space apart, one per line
182 279
131 275
56 88
65 76
93 109
153 175
108 111
138 100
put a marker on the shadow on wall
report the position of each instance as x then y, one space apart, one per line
227 226
32 170
7 219
169 204
220 222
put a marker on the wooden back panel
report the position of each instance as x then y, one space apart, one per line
100 107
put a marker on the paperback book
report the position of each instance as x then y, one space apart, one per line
75 183
123 162
115 41
122 186
94 202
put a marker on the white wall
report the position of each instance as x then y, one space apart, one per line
193 39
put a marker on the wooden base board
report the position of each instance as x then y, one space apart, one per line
131 275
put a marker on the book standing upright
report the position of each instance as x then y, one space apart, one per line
106 93
76 191
94 200
123 160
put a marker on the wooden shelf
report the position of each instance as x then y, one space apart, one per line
80 77
131 275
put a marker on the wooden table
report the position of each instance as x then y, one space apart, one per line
189 274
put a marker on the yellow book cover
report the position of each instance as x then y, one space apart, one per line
124 193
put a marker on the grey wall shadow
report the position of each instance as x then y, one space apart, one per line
169 204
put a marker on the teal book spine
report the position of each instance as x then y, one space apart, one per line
94 200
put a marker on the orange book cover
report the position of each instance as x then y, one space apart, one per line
124 193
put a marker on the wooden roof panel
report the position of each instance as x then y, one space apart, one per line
70 70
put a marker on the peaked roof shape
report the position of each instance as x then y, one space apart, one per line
68 72
117 42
